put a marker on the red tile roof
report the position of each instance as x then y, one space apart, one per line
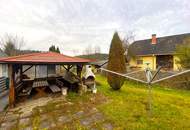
43 58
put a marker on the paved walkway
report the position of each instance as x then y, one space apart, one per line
4 100
59 113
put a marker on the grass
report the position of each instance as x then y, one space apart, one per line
128 107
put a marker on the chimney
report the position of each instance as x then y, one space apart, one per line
153 38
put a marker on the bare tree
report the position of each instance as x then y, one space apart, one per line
129 38
75 52
92 50
88 50
12 44
97 49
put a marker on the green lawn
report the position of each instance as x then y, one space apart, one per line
125 109
128 108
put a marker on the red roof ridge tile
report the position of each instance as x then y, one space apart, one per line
44 57
20 56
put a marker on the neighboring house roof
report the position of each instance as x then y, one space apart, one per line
164 46
2 54
44 58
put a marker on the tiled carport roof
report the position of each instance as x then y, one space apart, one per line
44 58
164 46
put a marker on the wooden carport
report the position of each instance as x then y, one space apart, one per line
15 64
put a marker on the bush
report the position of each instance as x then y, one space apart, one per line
183 53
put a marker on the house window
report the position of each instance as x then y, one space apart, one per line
139 61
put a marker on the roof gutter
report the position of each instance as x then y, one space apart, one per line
156 54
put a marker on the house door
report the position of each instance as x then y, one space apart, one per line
166 61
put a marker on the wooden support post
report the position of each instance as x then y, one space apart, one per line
35 71
21 73
68 67
27 68
79 70
47 71
64 67
82 87
11 86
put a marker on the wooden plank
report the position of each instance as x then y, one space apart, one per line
54 88
3 89
59 83
2 79
3 84
42 83
18 87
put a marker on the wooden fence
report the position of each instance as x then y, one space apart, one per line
3 84
4 93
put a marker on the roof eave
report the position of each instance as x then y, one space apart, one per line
157 54
45 63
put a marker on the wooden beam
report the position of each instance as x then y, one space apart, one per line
11 86
69 67
65 67
27 68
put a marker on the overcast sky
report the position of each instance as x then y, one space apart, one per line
76 24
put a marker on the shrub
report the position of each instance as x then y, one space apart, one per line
183 53
116 63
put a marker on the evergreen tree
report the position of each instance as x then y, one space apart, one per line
116 63
57 50
52 49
